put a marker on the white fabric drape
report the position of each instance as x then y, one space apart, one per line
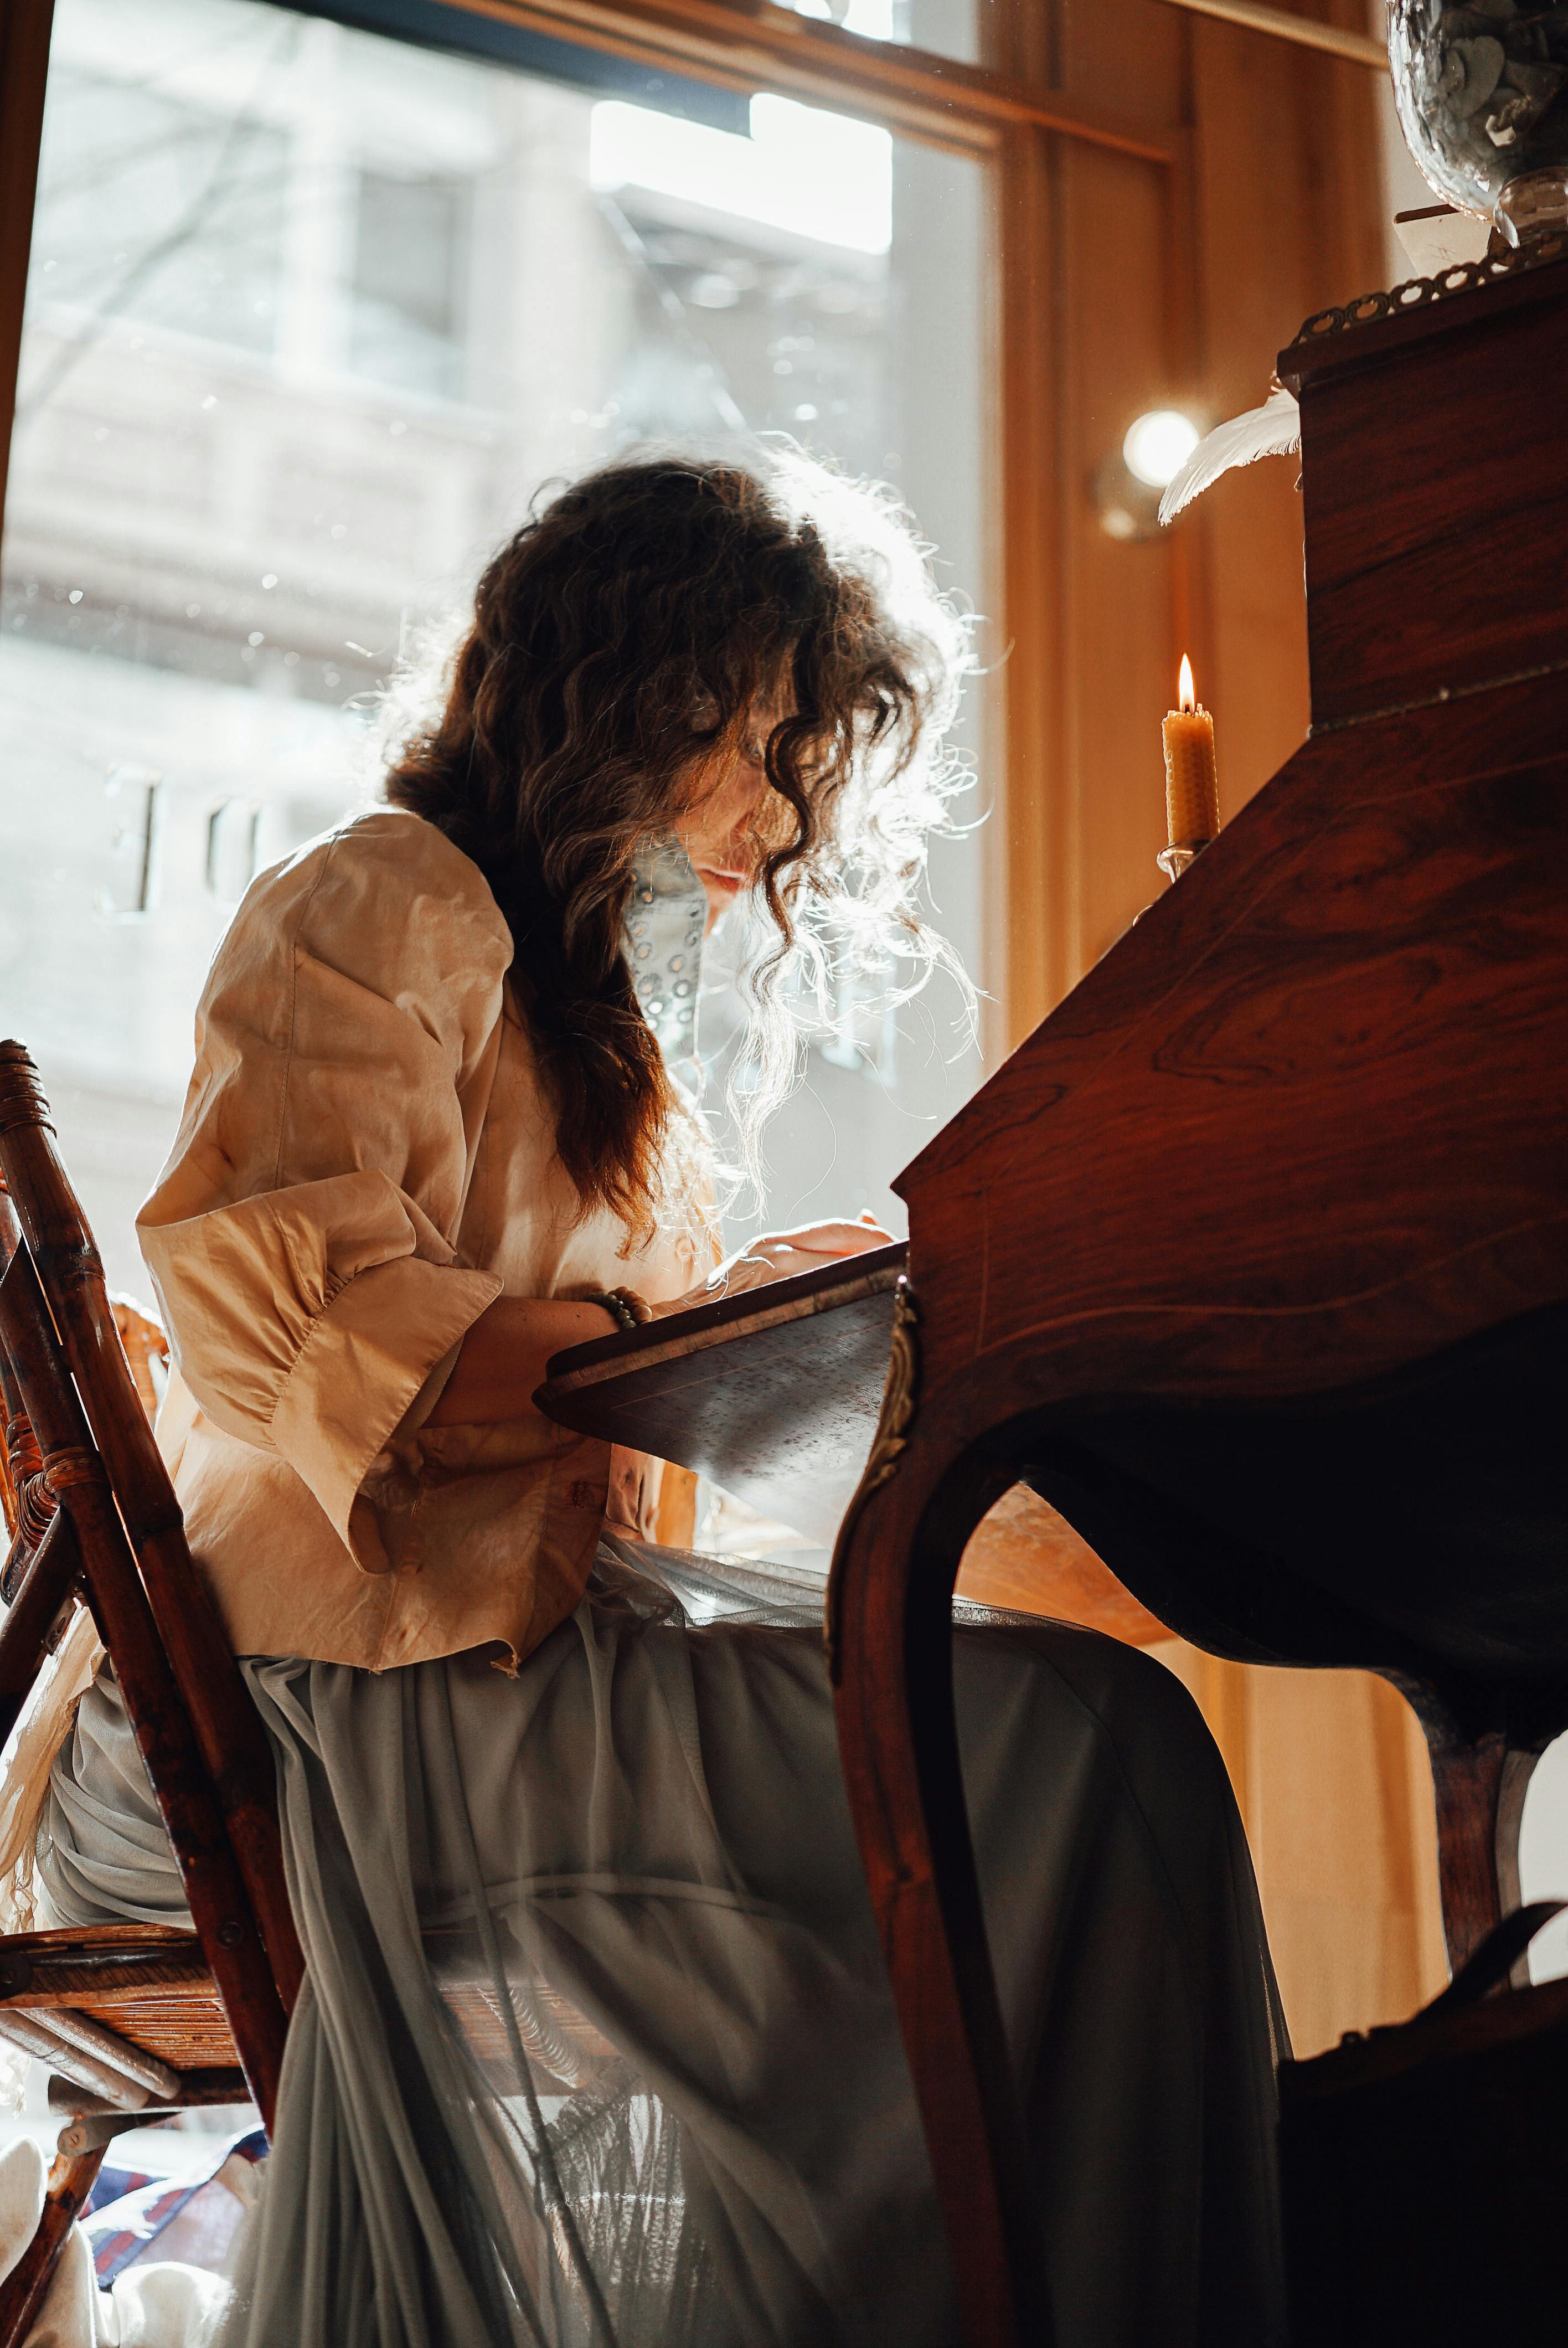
161 2305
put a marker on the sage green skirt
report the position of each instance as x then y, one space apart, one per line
597 2045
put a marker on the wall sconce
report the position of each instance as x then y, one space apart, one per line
1129 484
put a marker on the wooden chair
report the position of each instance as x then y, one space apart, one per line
133 2020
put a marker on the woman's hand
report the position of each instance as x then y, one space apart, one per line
505 1353
778 1254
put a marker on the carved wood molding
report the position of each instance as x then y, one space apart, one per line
1284 24
892 1434
963 107
1540 252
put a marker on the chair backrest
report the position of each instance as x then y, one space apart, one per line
114 1534
25 1493
144 1344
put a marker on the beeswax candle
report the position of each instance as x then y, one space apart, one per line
1192 786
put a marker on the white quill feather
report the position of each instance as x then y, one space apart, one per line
1272 430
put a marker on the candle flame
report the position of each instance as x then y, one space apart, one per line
1186 698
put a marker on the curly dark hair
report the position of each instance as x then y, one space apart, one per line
636 623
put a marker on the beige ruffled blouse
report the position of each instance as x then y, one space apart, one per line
367 1159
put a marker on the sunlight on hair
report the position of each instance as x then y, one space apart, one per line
857 913
852 901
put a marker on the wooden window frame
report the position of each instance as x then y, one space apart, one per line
1002 113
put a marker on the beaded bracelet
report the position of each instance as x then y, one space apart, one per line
629 1310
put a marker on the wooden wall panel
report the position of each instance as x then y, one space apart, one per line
1120 596
1136 48
1332 1780
1139 284
1031 848
1287 188
1130 284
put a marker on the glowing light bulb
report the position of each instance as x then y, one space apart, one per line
1158 445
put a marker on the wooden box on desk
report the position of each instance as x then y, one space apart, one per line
1435 496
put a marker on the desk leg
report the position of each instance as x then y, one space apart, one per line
1480 1789
890 1653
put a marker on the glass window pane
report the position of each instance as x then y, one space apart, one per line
950 29
195 239
410 251
312 316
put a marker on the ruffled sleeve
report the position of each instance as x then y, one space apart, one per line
302 1236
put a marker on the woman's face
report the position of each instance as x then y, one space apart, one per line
724 828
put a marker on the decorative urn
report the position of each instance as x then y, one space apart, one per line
1482 90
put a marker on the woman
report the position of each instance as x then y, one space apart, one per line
597 2045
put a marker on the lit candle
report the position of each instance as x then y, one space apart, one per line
1192 786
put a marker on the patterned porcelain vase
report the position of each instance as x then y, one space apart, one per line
1482 90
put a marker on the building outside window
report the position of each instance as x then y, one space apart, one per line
312 314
